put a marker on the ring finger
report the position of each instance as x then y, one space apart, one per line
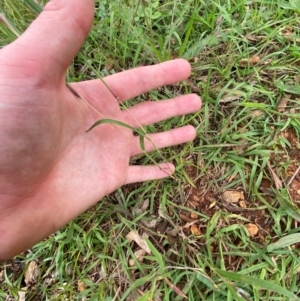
160 140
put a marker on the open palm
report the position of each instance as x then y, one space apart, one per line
51 169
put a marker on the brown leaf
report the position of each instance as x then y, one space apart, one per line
253 38
32 273
211 205
161 212
257 113
278 183
232 196
161 228
282 105
252 229
195 230
170 211
80 286
151 224
287 32
173 232
22 296
175 289
172 240
242 204
217 32
142 207
186 218
193 215
229 98
249 62
139 255
133 235
188 225
219 21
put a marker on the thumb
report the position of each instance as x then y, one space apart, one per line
54 38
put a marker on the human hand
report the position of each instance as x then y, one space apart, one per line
51 169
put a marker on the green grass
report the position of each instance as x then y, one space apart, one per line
239 130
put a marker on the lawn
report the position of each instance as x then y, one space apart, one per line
225 227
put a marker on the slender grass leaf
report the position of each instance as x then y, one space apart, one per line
157 256
293 5
142 141
176 289
187 34
207 281
212 223
284 201
100 238
263 284
187 177
34 6
138 282
9 24
5 32
145 297
111 121
255 105
201 43
291 89
284 242
120 123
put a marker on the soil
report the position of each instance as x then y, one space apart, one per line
209 202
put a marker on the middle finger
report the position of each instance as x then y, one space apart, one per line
150 112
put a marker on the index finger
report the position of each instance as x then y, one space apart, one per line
51 42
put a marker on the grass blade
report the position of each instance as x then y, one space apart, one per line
284 242
120 123
207 281
292 89
258 283
33 6
142 142
111 121
9 24
285 202
157 256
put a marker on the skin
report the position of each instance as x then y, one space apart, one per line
51 170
